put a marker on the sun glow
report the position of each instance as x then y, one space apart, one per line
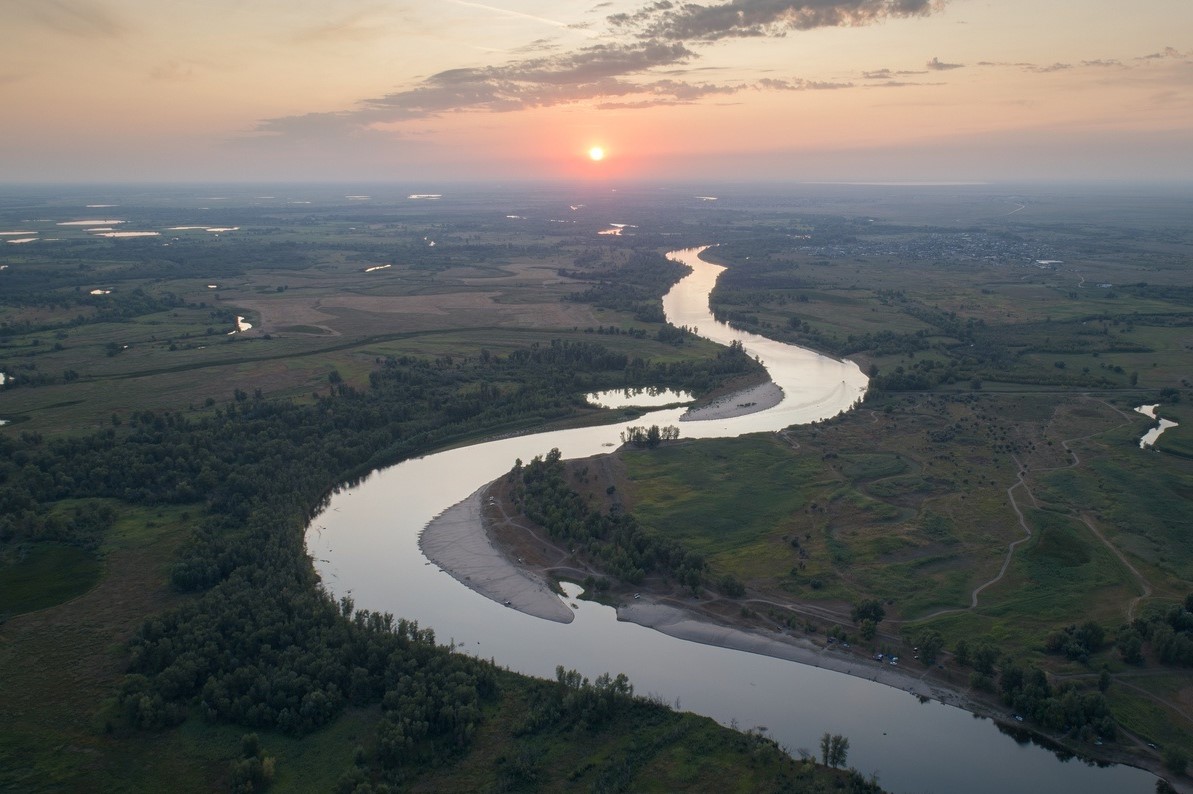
596 154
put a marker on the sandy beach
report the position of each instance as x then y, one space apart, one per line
459 542
747 401
456 541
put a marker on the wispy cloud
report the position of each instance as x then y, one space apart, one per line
593 72
675 21
898 84
72 17
798 84
1167 52
640 63
938 65
509 12
1052 67
888 74
1140 62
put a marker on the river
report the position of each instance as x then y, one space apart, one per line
365 545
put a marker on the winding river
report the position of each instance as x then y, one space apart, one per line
365 545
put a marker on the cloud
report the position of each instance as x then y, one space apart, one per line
887 74
898 84
1055 67
312 126
72 17
663 93
798 84
640 72
515 14
1167 52
538 46
593 72
673 21
938 65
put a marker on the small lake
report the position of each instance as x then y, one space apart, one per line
365 545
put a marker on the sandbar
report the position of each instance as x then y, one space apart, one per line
456 541
740 403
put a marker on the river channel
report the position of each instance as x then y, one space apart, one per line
365 545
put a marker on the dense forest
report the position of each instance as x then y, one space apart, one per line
262 645
257 642
614 540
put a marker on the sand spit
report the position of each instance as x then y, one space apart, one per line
685 625
456 541
748 401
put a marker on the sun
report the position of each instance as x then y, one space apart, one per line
596 154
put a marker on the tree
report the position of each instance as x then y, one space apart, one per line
930 644
834 749
1131 649
984 658
732 586
838 751
870 609
961 653
1175 760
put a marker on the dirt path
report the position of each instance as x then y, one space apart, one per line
1021 483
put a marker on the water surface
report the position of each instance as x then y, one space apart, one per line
365 545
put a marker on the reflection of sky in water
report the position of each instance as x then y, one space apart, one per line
1150 438
637 398
365 544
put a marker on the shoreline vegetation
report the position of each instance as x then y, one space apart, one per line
486 544
457 540
465 542
184 462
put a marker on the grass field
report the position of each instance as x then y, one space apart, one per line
1031 330
44 575
62 663
908 504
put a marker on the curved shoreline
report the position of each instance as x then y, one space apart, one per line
713 623
459 542
739 403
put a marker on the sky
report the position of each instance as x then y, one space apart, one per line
446 90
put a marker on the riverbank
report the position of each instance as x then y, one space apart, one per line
483 547
461 540
457 542
740 403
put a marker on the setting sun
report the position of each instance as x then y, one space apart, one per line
596 153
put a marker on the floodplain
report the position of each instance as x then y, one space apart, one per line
990 491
